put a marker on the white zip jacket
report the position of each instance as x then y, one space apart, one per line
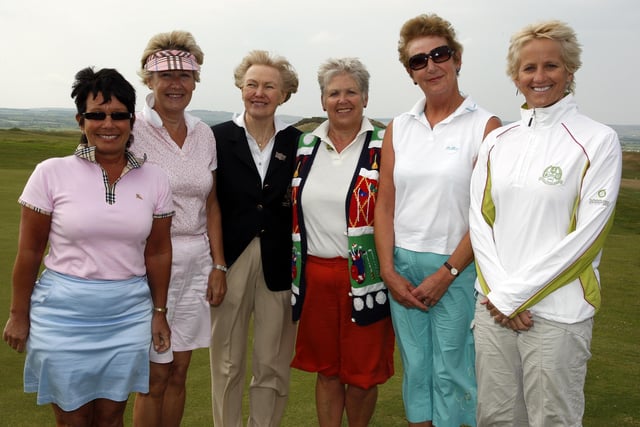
543 195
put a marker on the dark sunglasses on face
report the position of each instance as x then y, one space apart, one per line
438 55
101 115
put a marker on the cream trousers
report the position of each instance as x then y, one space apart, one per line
273 342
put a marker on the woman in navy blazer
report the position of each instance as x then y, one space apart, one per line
256 153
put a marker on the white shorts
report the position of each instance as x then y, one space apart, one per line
188 312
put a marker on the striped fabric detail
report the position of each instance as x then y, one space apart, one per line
164 215
488 210
580 269
33 208
85 152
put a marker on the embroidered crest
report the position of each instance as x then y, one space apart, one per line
552 175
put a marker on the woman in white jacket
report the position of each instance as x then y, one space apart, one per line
543 195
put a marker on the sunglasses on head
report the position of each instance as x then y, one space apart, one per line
101 115
437 55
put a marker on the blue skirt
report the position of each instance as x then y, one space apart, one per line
88 340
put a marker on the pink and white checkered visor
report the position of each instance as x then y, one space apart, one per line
167 60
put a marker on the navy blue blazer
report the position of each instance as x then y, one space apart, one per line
250 208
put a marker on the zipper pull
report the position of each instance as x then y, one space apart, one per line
531 119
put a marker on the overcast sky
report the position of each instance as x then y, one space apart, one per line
46 42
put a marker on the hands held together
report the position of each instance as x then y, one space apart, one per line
521 322
423 297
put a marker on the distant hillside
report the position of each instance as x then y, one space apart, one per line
64 118
310 123
214 117
38 118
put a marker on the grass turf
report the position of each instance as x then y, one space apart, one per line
612 390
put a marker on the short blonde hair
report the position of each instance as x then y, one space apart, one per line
558 31
178 40
262 57
427 25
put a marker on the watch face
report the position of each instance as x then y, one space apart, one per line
452 269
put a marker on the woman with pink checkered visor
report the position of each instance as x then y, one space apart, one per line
184 147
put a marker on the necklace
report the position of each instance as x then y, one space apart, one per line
260 134
262 142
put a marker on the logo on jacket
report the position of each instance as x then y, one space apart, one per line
552 175
600 198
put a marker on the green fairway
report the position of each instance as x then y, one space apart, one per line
613 380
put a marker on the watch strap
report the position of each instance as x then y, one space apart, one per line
454 271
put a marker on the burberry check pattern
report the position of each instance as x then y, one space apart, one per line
89 153
171 60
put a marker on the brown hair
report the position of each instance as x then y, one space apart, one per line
427 25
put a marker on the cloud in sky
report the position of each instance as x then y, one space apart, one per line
48 43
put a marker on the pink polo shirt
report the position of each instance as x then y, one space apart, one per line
189 167
89 237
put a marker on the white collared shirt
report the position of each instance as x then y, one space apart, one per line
431 174
260 157
326 192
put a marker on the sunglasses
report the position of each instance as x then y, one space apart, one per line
438 55
101 115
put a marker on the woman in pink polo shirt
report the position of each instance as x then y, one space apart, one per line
88 320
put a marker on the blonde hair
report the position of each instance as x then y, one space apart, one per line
558 31
179 40
262 57
427 25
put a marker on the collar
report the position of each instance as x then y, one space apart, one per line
152 117
88 153
278 123
468 105
549 116
322 131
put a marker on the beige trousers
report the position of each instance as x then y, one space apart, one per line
532 378
273 342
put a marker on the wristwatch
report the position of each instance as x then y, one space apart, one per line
454 271
220 267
